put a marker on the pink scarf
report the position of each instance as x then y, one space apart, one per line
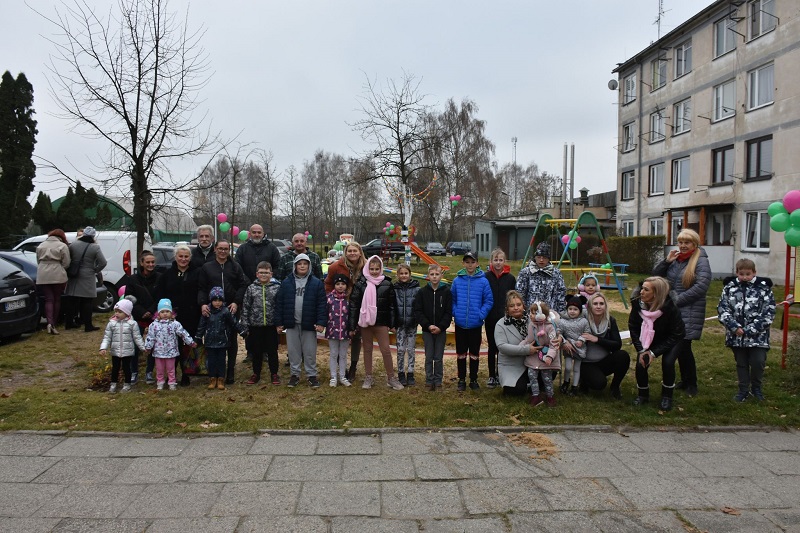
647 334
369 303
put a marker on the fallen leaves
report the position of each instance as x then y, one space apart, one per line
544 447
731 511
208 424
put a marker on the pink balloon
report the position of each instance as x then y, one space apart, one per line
578 239
388 224
452 197
121 291
306 233
236 231
222 217
565 239
458 197
792 200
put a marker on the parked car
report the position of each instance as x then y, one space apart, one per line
165 254
377 247
19 305
435 248
283 245
459 247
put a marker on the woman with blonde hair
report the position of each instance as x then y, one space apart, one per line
350 264
689 274
604 353
656 329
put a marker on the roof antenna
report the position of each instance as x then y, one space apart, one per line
660 16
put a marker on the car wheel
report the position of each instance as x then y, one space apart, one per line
108 303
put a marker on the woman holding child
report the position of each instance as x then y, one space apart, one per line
509 334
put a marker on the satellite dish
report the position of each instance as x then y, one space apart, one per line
612 84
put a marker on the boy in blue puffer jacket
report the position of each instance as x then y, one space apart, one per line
472 301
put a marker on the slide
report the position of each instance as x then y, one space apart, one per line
419 252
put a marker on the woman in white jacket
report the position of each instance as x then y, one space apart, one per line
120 337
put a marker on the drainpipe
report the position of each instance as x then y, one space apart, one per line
639 156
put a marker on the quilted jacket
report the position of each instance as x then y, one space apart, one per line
338 314
385 301
258 308
162 338
750 306
691 301
405 293
315 312
216 330
121 336
472 299
542 284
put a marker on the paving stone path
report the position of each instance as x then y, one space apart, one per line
590 479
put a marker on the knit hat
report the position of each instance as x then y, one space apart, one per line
164 304
543 249
126 306
341 278
576 301
216 293
301 257
89 231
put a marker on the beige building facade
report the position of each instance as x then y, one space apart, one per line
709 131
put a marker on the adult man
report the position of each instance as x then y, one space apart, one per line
204 251
255 250
225 273
299 247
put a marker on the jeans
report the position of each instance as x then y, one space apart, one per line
750 363
434 357
215 361
667 369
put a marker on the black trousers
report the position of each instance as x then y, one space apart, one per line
260 341
594 375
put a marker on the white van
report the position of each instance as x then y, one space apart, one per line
119 249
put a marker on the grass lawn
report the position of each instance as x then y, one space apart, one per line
58 383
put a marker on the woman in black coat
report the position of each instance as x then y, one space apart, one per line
604 353
656 330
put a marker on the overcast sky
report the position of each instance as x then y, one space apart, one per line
287 74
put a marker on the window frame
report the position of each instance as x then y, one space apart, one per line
653 191
719 100
629 88
729 37
681 123
629 134
758 142
683 59
628 228
676 225
754 90
677 164
658 71
628 184
722 152
753 14
659 221
761 219
657 127
720 228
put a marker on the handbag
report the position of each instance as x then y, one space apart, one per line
75 265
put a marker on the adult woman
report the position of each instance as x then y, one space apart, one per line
656 331
52 258
350 264
82 289
689 274
142 286
604 355
180 284
508 333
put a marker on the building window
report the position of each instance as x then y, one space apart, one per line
724 98
629 92
756 230
627 184
720 229
656 226
683 58
682 117
723 164
657 179
761 86
629 137
724 36
759 158
657 127
628 229
761 14
659 78
675 227
680 175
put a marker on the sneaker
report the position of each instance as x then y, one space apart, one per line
332 382
253 380
492 383
367 382
551 402
276 379
149 379
126 388
401 377
462 385
536 401
394 383
344 381
313 382
758 395
741 396
473 384
173 386
160 386
665 404
113 388
293 381
134 378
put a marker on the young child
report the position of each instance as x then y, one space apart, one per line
121 335
405 289
541 281
572 328
746 309
258 316
433 309
372 309
541 332
588 285
216 330
301 311
472 301
162 342
336 331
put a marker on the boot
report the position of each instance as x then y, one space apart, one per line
410 379
643 397
212 383
574 391
220 383
666 398
536 400
564 387
401 377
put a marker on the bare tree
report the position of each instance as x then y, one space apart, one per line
132 79
291 197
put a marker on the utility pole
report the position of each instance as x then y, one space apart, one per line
514 163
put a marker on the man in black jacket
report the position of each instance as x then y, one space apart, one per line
255 250
204 251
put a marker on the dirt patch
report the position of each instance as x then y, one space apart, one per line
544 448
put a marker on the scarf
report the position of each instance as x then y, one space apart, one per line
685 257
600 329
369 303
521 324
648 331
544 270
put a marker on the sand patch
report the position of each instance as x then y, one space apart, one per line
544 448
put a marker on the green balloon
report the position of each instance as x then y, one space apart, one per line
309 237
794 218
339 246
776 208
792 236
607 265
573 245
225 227
780 222
243 236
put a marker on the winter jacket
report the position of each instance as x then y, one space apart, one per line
93 262
610 342
434 307
750 306
250 254
286 268
548 340
404 293
258 308
544 285
200 258
121 336
500 286
315 311
385 300
472 299
572 329
181 289
228 275
511 353
162 338
338 314
217 329
340 267
669 328
52 257
690 301
144 290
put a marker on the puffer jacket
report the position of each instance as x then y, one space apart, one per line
669 328
162 338
258 308
385 300
315 306
216 330
500 286
548 339
405 294
542 284
472 299
121 336
750 306
690 301
338 314
434 307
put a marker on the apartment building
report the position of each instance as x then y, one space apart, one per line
709 131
